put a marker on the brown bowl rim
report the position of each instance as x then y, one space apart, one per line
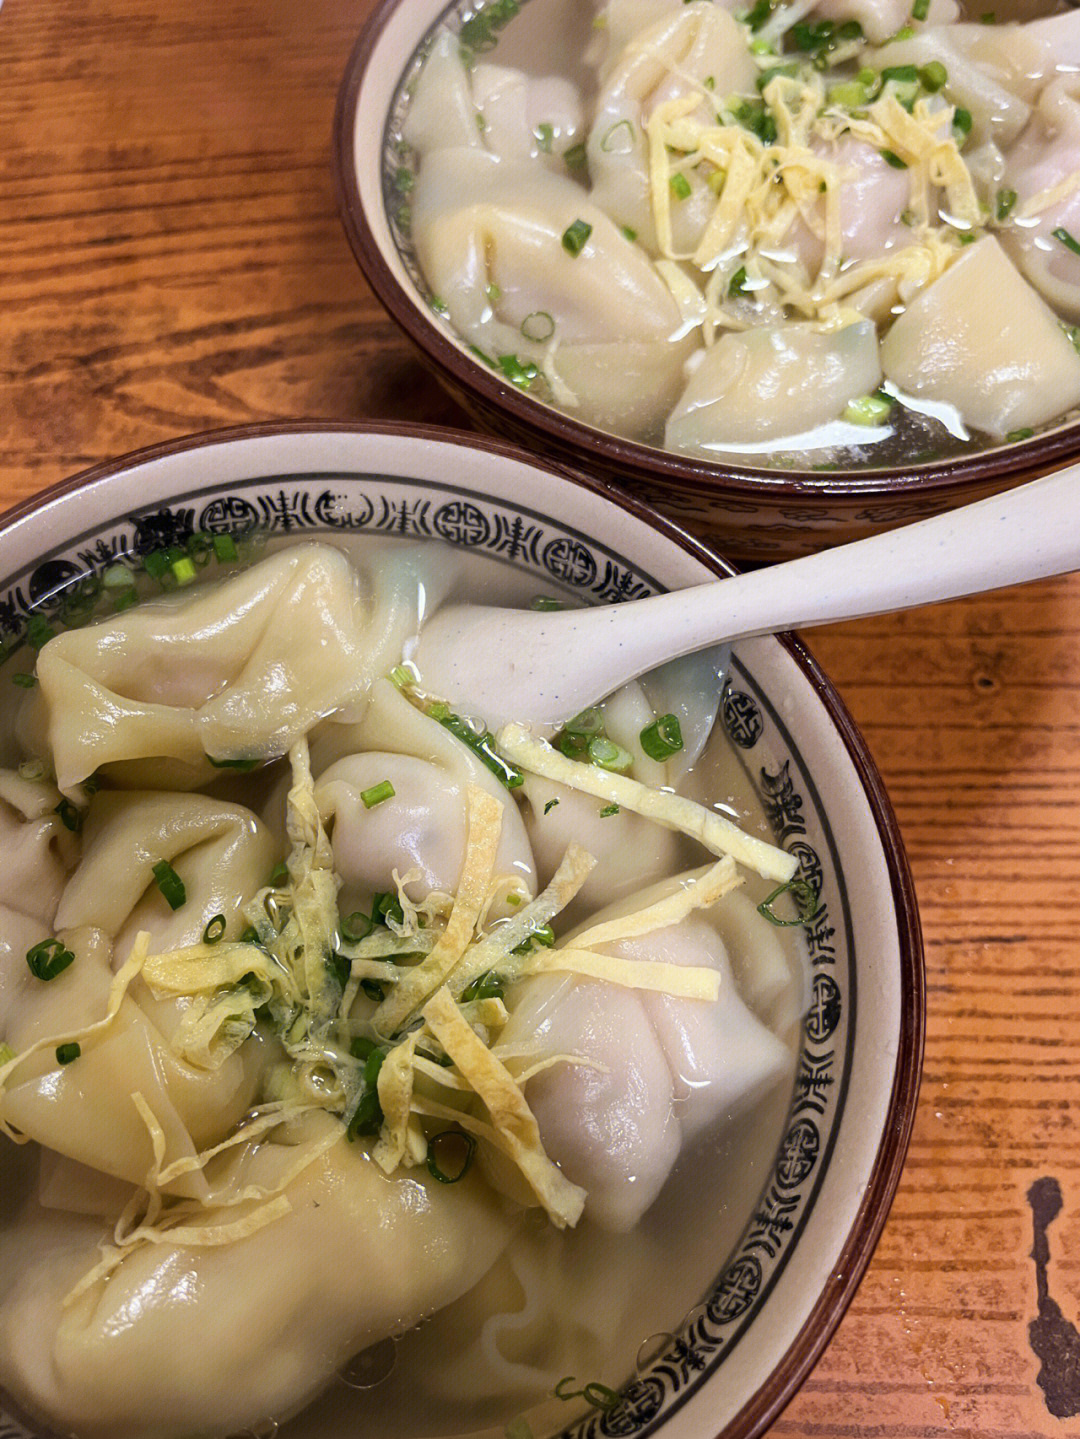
943 481
784 1380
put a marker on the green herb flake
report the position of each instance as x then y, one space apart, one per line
920 9
962 123
1005 204
628 232
48 958
70 817
575 236
933 76
546 604
519 372
663 738
538 327
356 926
170 884
599 1395
1014 435
377 794
215 930
738 283
243 765
606 754
609 810
868 410
679 185
892 158
184 571
619 138
7 1054
806 902
24 681
549 807
450 1155
67 1053
224 549
575 158
544 134
1064 237
38 631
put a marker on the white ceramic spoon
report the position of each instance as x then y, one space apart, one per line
542 668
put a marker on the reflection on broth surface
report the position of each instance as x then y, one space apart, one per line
333 1024
816 234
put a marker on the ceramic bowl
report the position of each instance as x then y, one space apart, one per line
760 1312
752 515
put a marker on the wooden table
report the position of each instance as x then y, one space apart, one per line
171 259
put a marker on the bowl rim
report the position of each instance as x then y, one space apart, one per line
943 481
783 1381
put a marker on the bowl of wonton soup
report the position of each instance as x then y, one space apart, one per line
792 274
376 1074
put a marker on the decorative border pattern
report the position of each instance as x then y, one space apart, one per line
332 504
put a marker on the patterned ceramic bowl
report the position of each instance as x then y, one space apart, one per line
754 515
760 1305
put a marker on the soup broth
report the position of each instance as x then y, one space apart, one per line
495 1293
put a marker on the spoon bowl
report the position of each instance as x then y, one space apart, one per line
544 667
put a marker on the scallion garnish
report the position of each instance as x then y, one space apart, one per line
278 875
377 794
48 958
482 745
356 926
24 681
224 548
920 9
738 282
373 989
485 986
67 1053
70 817
1065 238
38 631
933 76
1024 434
538 327
868 409
215 930
662 738
367 1117
243 765
903 74
609 755
543 135
806 901
519 372
679 185
458 1148
1006 203
575 157
546 603
550 805
7 1054
170 884
892 158
609 810
593 1393
589 722
117 577
962 123
757 17
184 570
575 236
628 232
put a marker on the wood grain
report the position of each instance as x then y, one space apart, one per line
171 260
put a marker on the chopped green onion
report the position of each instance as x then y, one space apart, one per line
590 721
48 958
32 769
962 121
575 157
224 548
738 282
377 794
278 875
184 570
906 32
519 372
243 765
156 564
7 1054
892 158
401 677
487 986
538 327
599 1395
482 745
386 905
438 305
493 293
543 135
550 805
679 185
575 236
67 1053
788 72
868 410
1006 202
851 95
1072 334
1069 241
609 810
24 681
70 817
462 1162
662 738
170 884
802 893
904 74
920 9
200 549
373 990
1024 434
709 82
619 139
117 577
628 232
124 600
215 930
356 926
38 631
933 76
757 17
609 755
367 1117
546 603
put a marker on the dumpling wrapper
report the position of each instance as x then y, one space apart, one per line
981 339
192 1343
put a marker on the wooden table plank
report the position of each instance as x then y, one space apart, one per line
171 259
